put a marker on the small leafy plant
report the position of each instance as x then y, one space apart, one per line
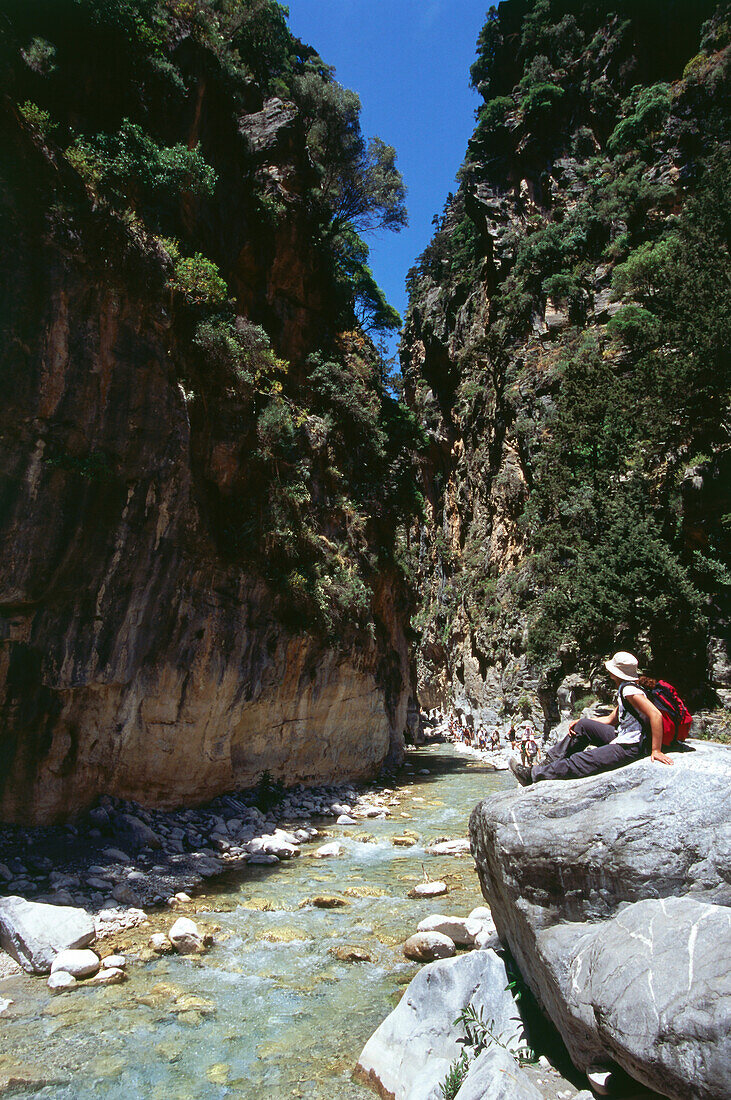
452 1083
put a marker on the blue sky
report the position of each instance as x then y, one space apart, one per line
409 62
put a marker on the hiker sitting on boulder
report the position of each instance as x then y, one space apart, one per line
619 739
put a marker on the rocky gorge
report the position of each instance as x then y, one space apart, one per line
551 319
241 562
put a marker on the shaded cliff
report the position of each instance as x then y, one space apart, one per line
203 474
567 350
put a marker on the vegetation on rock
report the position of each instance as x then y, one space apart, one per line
574 306
208 142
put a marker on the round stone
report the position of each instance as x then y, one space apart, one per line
429 890
80 963
60 981
427 946
114 962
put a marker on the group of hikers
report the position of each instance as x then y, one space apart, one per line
648 716
523 739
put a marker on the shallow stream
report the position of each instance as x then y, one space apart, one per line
270 1011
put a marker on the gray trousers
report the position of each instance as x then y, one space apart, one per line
571 759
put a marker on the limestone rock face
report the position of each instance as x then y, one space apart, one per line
411 1052
33 933
613 894
137 658
653 985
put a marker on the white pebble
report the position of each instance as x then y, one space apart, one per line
115 962
60 981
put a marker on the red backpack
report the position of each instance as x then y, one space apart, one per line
676 718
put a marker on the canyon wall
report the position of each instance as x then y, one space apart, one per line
153 645
564 351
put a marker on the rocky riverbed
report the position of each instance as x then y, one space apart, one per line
307 955
299 956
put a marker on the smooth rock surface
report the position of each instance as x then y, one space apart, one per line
427 946
495 1075
412 1050
461 930
612 893
652 988
114 962
185 937
112 975
429 890
449 848
329 851
33 933
60 981
80 964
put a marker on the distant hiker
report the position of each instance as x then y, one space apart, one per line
511 736
620 738
495 739
530 748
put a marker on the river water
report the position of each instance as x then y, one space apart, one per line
270 1011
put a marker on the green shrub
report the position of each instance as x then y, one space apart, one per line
644 274
36 117
645 112
635 326
129 167
40 56
456 1074
493 115
541 101
196 277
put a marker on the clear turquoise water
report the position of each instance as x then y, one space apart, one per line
255 1017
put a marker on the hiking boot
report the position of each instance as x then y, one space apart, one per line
522 774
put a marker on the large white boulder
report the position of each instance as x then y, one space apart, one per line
418 1040
33 932
185 937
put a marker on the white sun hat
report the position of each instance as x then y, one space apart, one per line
623 665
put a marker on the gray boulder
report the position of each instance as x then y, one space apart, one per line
135 832
651 989
33 933
411 1052
611 894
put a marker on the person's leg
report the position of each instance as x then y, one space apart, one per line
587 762
586 732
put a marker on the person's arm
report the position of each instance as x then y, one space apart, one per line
611 720
643 704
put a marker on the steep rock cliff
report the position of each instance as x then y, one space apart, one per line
194 587
566 350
